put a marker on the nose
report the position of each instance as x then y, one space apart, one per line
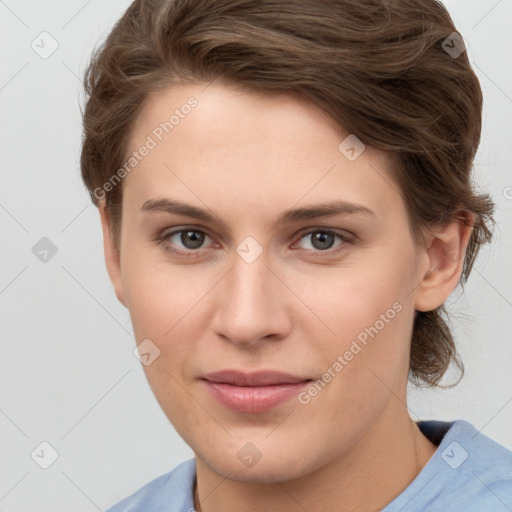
254 304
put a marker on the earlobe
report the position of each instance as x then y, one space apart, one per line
445 256
112 256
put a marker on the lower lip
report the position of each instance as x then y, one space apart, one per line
255 398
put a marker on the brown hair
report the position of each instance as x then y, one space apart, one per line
378 67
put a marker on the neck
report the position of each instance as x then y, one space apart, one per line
385 460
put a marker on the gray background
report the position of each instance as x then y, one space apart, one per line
68 374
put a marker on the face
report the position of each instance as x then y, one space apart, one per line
255 282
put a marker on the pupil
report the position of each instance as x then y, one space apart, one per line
194 239
322 240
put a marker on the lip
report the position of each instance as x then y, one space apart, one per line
259 378
253 392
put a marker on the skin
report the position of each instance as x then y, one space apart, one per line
248 157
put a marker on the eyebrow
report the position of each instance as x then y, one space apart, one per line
329 209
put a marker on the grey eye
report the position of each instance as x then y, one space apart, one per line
321 240
189 238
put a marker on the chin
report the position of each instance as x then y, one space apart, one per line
271 468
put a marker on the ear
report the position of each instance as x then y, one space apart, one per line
445 251
112 256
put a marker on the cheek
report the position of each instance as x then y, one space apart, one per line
167 306
365 363
160 295
369 311
164 303
351 298
355 302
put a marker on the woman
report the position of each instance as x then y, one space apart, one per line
286 202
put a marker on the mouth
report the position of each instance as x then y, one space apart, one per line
253 392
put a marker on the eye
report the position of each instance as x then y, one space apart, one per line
321 240
187 241
184 241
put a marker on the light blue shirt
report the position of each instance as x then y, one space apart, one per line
469 472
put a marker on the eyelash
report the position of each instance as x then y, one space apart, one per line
162 239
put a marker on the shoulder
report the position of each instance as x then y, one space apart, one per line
465 447
469 471
481 468
173 490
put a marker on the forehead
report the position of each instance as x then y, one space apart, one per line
237 147
224 115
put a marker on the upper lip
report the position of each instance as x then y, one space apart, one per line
259 378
